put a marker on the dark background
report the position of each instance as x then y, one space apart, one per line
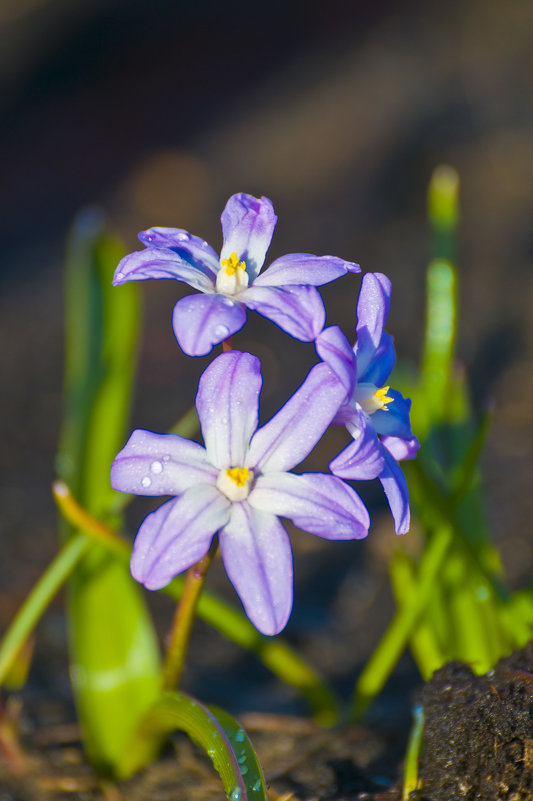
338 111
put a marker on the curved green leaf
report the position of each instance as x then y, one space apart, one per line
222 738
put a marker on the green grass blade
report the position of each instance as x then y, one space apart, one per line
37 601
114 653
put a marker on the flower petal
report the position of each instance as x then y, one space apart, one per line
177 535
297 309
394 422
334 349
305 269
191 248
247 226
401 448
378 369
395 486
294 431
202 321
372 312
227 403
320 504
160 464
158 263
363 458
257 555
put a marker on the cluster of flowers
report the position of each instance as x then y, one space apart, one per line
239 484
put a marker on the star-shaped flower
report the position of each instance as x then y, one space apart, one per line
285 292
238 485
376 416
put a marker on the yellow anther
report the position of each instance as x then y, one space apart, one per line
382 398
240 475
232 264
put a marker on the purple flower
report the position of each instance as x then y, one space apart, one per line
376 416
285 292
238 485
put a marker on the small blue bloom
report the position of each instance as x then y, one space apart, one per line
285 292
239 485
376 416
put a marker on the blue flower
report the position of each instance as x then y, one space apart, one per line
376 416
238 485
285 292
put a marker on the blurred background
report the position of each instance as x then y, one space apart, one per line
156 111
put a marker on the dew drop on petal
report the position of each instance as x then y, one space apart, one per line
228 302
221 331
183 237
119 276
156 467
166 457
146 481
205 244
239 735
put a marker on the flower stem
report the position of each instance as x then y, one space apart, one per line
227 345
184 618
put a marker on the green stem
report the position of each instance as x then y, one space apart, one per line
275 654
39 598
184 619
379 666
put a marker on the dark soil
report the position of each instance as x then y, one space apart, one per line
478 735
477 746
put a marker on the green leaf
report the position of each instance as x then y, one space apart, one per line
114 653
222 738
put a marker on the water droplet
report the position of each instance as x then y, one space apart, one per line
228 302
256 786
244 770
205 244
183 237
239 736
156 467
211 752
119 276
166 457
241 759
146 481
221 331
235 794
224 421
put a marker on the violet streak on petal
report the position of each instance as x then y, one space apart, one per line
189 247
304 268
202 321
335 350
257 556
227 404
160 464
157 263
299 310
293 432
177 535
395 486
362 459
372 312
319 504
247 227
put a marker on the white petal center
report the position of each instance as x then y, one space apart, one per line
235 483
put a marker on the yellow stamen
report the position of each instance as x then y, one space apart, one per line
232 264
240 475
382 398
